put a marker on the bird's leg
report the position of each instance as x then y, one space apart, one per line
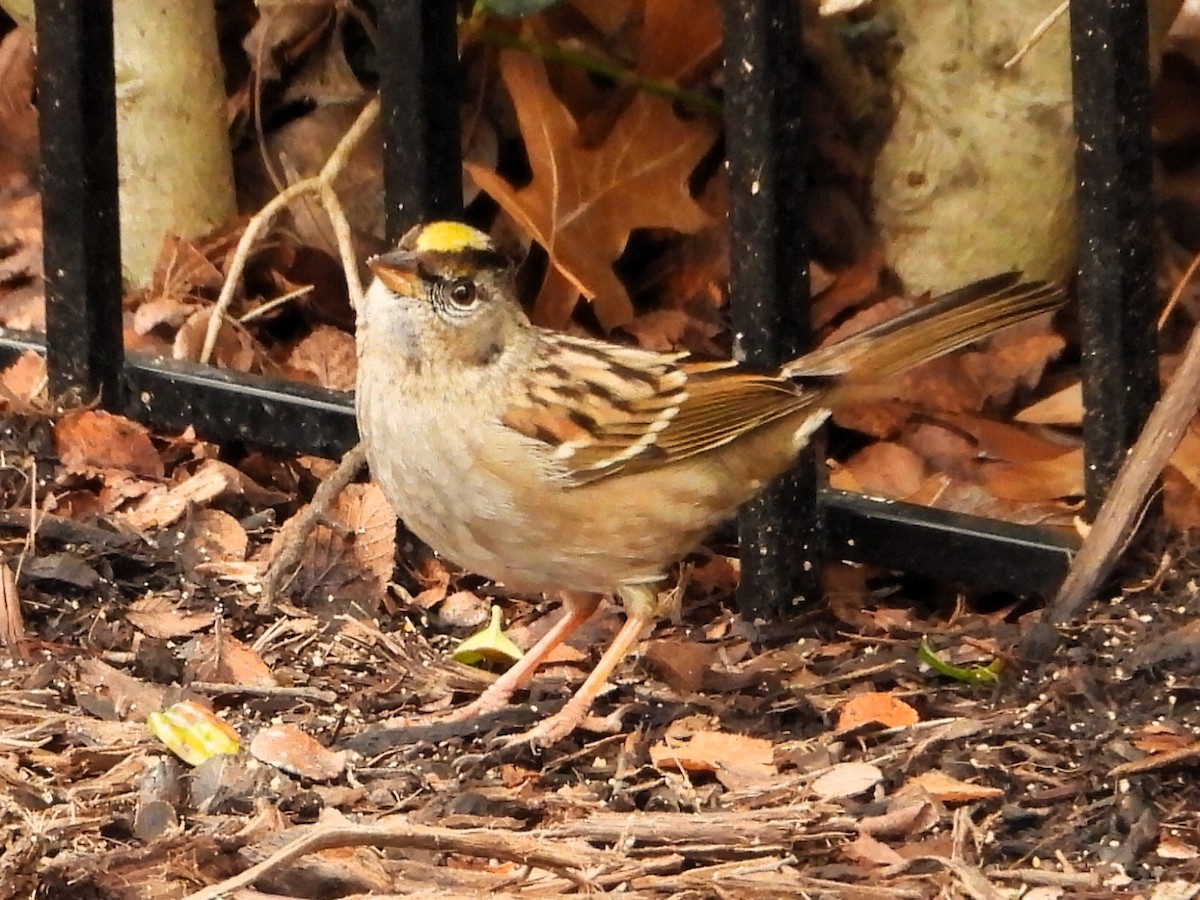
578 609
641 610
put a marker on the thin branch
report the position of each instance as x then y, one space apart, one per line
492 844
1115 520
321 185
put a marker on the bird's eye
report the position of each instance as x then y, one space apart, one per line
463 293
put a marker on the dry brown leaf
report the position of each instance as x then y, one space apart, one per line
183 270
583 202
160 618
1037 480
18 114
876 707
225 659
1063 407
867 849
679 38
462 609
1156 738
1186 458
690 746
998 440
235 348
947 789
347 563
904 820
434 579
886 469
24 379
214 536
288 748
367 514
156 311
1015 358
328 356
127 697
121 487
847 780
680 662
1171 847
87 440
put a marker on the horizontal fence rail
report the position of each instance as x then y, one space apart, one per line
795 523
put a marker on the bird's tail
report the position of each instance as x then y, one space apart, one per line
947 323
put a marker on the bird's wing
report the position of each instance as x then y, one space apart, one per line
602 409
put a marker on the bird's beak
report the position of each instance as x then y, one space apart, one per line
397 270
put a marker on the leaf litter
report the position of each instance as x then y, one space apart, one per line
832 764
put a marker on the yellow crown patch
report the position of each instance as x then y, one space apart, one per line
451 237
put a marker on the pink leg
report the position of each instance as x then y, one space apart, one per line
578 609
640 616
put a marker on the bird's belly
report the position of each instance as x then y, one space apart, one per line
495 511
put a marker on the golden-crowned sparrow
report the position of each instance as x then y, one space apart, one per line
550 462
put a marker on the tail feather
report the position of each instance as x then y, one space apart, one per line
949 322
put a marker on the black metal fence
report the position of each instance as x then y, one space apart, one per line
796 521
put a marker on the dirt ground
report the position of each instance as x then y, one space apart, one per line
731 771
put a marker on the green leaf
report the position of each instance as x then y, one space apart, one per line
988 674
489 645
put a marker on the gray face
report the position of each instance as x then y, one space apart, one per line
454 306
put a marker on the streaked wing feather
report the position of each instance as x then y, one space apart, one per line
641 408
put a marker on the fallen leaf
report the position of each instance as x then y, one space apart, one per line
1171 847
680 662
213 536
583 202
288 748
876 707
65 566
160 618
193 732
328 356
1037 480
1063 407
847 780
87 440
738 757
234 349
347 562
679 37
867 849
1156 738
25 378
885 469
225 659
947 789
125 696
907 819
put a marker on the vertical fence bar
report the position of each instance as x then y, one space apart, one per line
1113 160
769 275
80 225
419 91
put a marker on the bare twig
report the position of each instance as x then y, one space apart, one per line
321 185
511 846
1037 34
297 530
263 690
1125 502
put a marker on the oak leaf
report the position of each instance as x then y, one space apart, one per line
583 202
